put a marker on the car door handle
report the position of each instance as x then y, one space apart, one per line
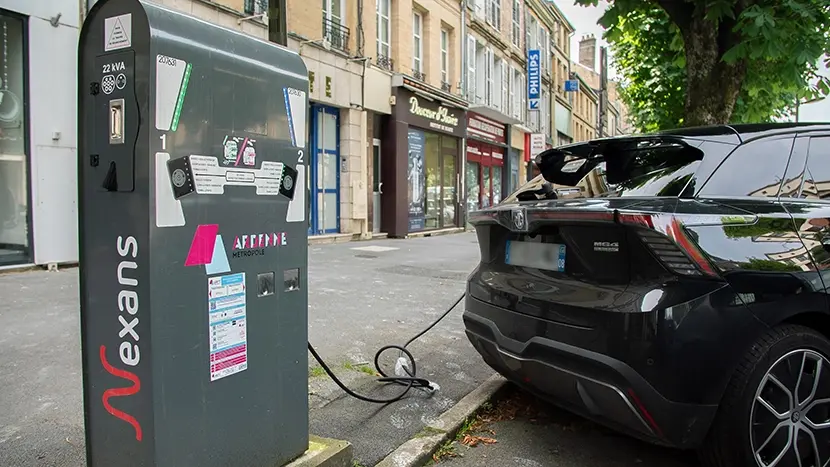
380 188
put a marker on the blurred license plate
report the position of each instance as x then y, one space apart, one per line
547 256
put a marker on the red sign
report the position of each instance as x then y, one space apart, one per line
484 128
484 153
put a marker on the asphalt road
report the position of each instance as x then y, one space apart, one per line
361 299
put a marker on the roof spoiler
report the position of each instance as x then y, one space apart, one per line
568 165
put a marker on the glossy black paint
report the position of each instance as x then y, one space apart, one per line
620 338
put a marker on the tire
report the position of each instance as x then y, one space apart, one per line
731 442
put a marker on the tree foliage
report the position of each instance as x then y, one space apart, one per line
693 62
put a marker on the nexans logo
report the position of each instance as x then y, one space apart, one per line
129 350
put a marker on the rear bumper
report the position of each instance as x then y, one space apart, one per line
590 384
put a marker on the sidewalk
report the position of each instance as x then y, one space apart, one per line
364 295
519 430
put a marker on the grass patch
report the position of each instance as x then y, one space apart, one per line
356 463
361 368
316 371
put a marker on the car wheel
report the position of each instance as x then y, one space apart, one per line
776 409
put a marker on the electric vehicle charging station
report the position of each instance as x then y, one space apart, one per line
193 242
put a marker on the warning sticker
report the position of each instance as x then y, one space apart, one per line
118 32
210 178
227 325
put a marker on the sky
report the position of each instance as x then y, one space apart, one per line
584 20
817 111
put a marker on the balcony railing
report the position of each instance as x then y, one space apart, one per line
385 62
419 75
445 86
336 34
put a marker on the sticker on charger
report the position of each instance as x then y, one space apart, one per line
210 178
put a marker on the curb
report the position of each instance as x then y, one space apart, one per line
418 451
325 452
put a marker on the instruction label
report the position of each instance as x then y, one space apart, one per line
210 178
118 32
227 325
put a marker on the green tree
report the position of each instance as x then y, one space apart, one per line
704 62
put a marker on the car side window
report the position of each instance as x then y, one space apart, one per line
753 169
817 175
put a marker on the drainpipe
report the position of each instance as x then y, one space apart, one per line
463 43
461 205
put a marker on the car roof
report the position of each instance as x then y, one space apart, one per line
734 134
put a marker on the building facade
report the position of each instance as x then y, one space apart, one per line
420 110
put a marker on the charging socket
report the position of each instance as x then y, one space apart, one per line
116 121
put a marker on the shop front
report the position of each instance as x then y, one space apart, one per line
487 176
421 164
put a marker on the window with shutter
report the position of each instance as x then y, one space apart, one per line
511 85
516 35
504 94
471 68
523 93
489 77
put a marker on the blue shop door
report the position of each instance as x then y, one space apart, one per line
325 170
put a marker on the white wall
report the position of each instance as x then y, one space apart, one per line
52 110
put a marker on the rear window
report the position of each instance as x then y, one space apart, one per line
624 168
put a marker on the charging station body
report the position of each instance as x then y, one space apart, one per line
193 242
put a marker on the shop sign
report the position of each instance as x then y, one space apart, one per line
537 144
429 115
484 128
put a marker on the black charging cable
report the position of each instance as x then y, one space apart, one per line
409 382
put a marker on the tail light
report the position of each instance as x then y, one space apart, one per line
671 245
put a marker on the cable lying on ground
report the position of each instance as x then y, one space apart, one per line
405 369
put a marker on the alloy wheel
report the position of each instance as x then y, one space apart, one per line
790 417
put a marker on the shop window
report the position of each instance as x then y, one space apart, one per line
432 177
14 186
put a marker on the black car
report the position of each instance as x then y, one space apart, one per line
687 306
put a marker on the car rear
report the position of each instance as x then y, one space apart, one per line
606 306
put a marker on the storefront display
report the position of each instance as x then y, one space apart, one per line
14 186
485 173
423 143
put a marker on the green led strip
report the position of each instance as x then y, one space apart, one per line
180 101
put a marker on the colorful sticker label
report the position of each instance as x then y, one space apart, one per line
239 151
172 78
227 325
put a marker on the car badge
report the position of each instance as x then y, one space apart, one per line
519 218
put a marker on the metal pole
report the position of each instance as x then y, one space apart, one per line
277 26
